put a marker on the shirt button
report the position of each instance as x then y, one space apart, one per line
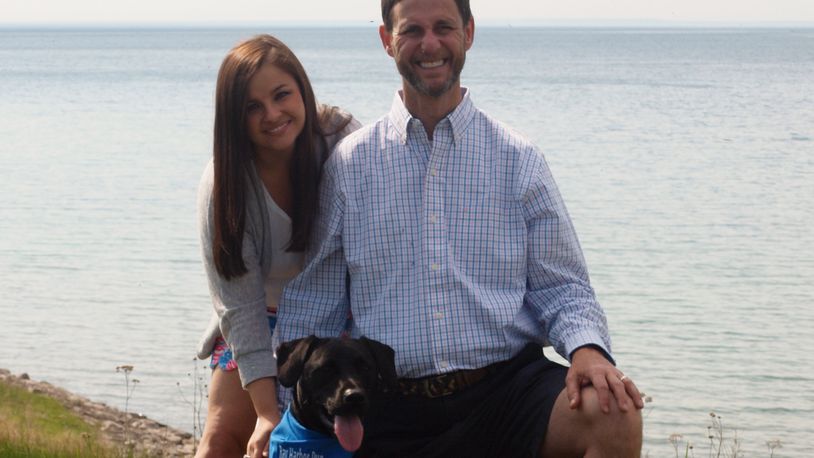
434 172
443 364
435 266
438 315
433 219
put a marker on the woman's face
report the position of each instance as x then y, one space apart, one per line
275 111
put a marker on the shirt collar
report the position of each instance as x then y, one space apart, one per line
459 118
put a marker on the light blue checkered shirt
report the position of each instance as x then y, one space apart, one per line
456 252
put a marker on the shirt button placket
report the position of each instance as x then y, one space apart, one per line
436 248
434 206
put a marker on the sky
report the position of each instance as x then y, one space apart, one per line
363 11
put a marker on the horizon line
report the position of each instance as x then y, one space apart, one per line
506 23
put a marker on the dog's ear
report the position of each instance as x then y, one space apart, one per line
385 361
291 357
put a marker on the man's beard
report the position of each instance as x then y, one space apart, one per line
421 86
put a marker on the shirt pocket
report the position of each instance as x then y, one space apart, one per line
377 234
468 213
488 234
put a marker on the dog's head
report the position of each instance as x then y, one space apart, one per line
334 380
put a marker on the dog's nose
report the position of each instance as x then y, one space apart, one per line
353 396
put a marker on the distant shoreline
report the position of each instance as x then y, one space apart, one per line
150 437
502 24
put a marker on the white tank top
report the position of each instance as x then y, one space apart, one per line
285 265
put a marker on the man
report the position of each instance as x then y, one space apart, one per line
445 237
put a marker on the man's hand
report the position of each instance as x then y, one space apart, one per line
589 367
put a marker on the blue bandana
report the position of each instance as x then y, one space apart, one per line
292 440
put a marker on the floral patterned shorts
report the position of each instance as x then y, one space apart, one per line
222 354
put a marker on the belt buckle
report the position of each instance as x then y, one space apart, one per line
442 384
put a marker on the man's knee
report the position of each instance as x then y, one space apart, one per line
590 399
614 430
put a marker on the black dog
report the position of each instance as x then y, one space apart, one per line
333 382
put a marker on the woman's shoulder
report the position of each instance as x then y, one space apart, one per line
333 120
336 124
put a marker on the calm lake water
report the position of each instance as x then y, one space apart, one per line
686 158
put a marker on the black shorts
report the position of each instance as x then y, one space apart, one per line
504 415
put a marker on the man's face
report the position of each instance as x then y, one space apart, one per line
428 42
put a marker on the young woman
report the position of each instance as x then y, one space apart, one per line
256 202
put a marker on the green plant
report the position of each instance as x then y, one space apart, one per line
199 395
773 444
129 387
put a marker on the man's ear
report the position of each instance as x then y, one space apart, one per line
387 39
469 33
291 358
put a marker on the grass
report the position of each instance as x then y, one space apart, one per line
33 425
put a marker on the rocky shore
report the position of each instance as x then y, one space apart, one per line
148 437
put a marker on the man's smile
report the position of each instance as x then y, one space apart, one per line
431 64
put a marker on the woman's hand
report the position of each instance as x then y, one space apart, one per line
258 446
264 397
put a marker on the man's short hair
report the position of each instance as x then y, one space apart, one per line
387 9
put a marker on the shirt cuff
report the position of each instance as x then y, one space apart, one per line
587 338
256 365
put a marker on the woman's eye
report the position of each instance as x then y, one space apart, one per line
252 107
281 95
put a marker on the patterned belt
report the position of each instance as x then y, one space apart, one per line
436 386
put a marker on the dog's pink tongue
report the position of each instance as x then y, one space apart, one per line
349 431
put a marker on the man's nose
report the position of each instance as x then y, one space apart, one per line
430 43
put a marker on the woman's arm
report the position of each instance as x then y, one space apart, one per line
240 303
264 397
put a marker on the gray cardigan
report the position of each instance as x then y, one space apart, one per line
240 303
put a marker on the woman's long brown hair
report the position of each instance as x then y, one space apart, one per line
233 152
